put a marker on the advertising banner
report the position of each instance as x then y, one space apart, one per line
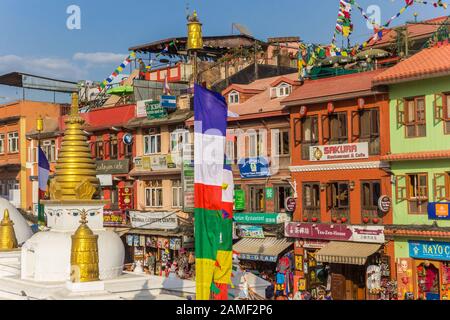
125 198
255 218
114 218
429 250
254 167
246 231
346 151
438 210
370 234
404 277
239 199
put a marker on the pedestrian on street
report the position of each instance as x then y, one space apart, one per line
151 262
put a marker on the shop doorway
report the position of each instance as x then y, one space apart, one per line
428 283
347 282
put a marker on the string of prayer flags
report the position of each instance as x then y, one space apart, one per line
344 23
118 70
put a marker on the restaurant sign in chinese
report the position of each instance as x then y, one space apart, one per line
355 233
346 151
429 250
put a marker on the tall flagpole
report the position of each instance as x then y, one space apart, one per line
39 129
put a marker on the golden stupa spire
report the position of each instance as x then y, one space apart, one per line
75 177
84 253
8 240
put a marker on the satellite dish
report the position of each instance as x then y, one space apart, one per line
241 28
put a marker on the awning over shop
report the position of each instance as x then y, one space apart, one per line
266 249
346 252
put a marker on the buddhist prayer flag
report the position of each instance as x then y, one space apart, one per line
212 186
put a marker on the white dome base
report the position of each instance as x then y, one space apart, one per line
46 256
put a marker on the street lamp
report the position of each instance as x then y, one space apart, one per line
39 129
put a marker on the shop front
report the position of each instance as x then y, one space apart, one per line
425 274
159 234
348 261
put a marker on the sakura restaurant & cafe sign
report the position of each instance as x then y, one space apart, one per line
348 151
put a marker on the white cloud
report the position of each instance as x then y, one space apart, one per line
59 68
99 58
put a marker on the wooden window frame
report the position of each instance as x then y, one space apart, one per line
409 187
250 202
12 136
416 123
371 183
441 191
154 186
330 194
97 144
277 142
446 112
113 140
338 139
2 139
276 201
308 143
310 184
356 125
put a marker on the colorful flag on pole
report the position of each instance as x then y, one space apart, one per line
213 232
43 174
166 85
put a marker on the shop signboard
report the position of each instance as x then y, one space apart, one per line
162 162
290 204
257 257
438 210
246 231
255 218
254 167
347 151
269 193
187 177
169 102
113 166
384 204
125 198
429 250
155 110
114 218
310 243
141 109
239 199
154 220
370 234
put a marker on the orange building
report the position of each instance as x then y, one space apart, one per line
339 130
18 160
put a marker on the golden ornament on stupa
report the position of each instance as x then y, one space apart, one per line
75 177
84 253
8 240
195 37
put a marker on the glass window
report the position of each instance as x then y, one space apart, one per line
177 139
417 192
370 130
257 199
280 142
152 144
233 97
284 90
154 194
114 148
2 143
338 128
231 149
415 118
176 194
310 135
49 148
370 193
256 143
13 142
338 195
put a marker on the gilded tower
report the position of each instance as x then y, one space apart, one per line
75 177
8 240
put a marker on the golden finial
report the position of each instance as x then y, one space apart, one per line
75 174
84 253
195 37
8 240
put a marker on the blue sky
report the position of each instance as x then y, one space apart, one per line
35 38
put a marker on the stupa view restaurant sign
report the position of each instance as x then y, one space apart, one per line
154 220
370 234
348 151
113 166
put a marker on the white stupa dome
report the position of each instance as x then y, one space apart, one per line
22 229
